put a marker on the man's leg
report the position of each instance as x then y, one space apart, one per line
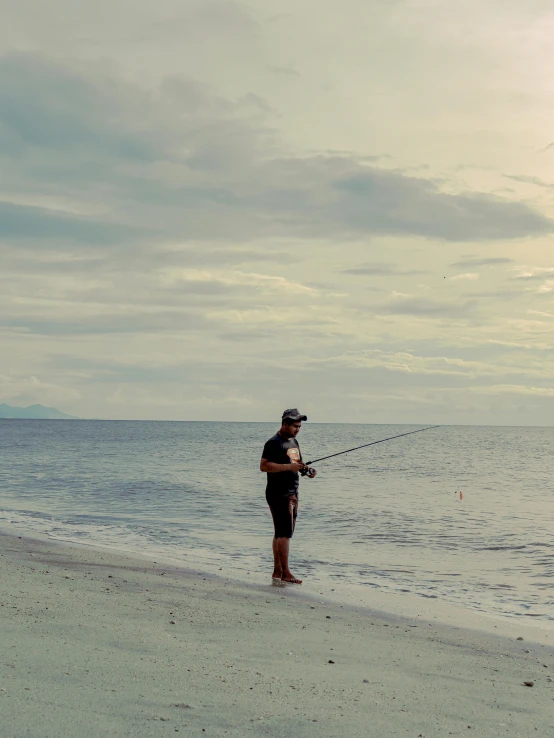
283 544
277 570
284 512
276 514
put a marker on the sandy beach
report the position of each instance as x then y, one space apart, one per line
95 643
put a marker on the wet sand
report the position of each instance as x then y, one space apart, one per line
95 643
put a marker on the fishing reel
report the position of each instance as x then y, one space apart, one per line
307 471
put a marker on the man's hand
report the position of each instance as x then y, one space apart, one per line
273 468
296 466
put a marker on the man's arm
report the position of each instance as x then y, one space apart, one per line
272 467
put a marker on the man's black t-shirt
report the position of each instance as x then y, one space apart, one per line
282 451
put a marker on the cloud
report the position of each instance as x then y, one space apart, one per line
401 369
526 179
471 276
185 198
188 164
497 295
395 203
284 71
538 274
426 308
381 269
535 274
541 313
22 222
225 16
106 322
231 255
405 362
53 105
515 389
476 261
28 389
240 280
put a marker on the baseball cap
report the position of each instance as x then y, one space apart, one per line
294 414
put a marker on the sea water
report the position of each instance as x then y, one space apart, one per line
458 514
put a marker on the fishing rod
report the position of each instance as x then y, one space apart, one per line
309 472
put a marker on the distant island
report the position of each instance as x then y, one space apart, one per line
33 412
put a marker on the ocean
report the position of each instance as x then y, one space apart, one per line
385 519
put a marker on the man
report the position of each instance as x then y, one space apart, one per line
282 460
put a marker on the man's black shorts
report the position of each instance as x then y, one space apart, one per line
284 510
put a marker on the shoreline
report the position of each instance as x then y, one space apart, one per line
97 642
394 605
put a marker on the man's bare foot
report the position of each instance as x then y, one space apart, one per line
290 578
277 578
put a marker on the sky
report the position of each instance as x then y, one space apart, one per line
215 210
